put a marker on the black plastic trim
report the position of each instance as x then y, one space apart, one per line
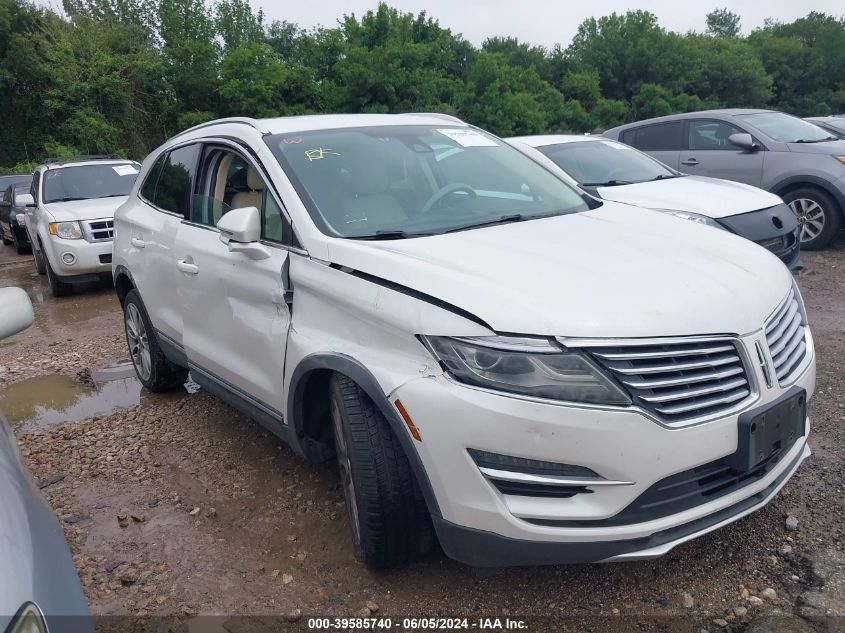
813 181
350 367
174 352
480 548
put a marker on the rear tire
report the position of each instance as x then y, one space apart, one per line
387 513
6 240
819 217
154 371
57 286
20 249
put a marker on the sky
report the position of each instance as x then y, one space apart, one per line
544 22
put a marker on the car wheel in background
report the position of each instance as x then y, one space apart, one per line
154 371
40 264
818 216
57 286
6 240
387 513
20 249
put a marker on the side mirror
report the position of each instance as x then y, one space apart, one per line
240 230
15 311
743 141
25 200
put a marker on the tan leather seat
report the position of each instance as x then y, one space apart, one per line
372 204
255 196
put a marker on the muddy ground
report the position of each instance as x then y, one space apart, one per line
177 505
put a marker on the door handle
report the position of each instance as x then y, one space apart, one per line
137 242
689 161
187 267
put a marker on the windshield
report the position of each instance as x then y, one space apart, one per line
406 181
597 163
89 181
836 124
785 128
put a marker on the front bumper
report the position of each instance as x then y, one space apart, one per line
482 526
775 229
91 259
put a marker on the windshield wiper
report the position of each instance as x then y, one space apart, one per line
505 219
63 200
666 177
607 183
815 140
387 235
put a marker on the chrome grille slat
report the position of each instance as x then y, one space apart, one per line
663 353
680 381
785 337
98 230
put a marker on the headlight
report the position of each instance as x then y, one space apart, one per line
28 619
694 217
66 230
526 366
21 218
841 159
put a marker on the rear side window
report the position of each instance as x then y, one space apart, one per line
175 180
148 189
657 137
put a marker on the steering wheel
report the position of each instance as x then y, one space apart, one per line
448 190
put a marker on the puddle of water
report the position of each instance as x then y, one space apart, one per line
55 399
47 400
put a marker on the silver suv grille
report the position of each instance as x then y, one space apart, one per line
785 337
680 381
98 230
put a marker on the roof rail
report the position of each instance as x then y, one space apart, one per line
81 158
436 115
243 120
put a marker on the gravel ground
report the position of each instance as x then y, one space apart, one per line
181 506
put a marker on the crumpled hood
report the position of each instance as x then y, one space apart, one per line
616 271
93 209
707 196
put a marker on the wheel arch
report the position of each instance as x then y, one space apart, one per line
311 427
814 182
123 283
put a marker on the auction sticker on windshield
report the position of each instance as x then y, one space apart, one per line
468 138
125 170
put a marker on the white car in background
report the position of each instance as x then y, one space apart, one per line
614 171
70 216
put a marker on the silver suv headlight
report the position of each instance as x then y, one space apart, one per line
535 367
28 619
66 230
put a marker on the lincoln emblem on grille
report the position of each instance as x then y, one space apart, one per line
764 364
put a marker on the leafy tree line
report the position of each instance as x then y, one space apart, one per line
122 75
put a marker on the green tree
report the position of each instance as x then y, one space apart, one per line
723 23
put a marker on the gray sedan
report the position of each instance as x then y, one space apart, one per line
797 160
39 587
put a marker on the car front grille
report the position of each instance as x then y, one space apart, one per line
786 340
99 230
680 381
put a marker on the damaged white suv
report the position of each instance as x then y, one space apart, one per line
493 357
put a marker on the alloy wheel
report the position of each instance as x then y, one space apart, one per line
811 217
139 344
345 465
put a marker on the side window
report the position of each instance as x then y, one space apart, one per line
36 180
661 137
148 189
275 226
226 182
705 134
173 190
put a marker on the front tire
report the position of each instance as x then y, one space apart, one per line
40 260
819 217
57 286
154 371
387 514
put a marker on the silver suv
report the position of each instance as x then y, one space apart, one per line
797 160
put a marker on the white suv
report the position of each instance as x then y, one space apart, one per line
492 356
69 217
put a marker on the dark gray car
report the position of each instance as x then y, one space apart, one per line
797 160
39 588
12 217
833 124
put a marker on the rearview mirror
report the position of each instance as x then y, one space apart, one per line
240 229
25 200
15 311
744 141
